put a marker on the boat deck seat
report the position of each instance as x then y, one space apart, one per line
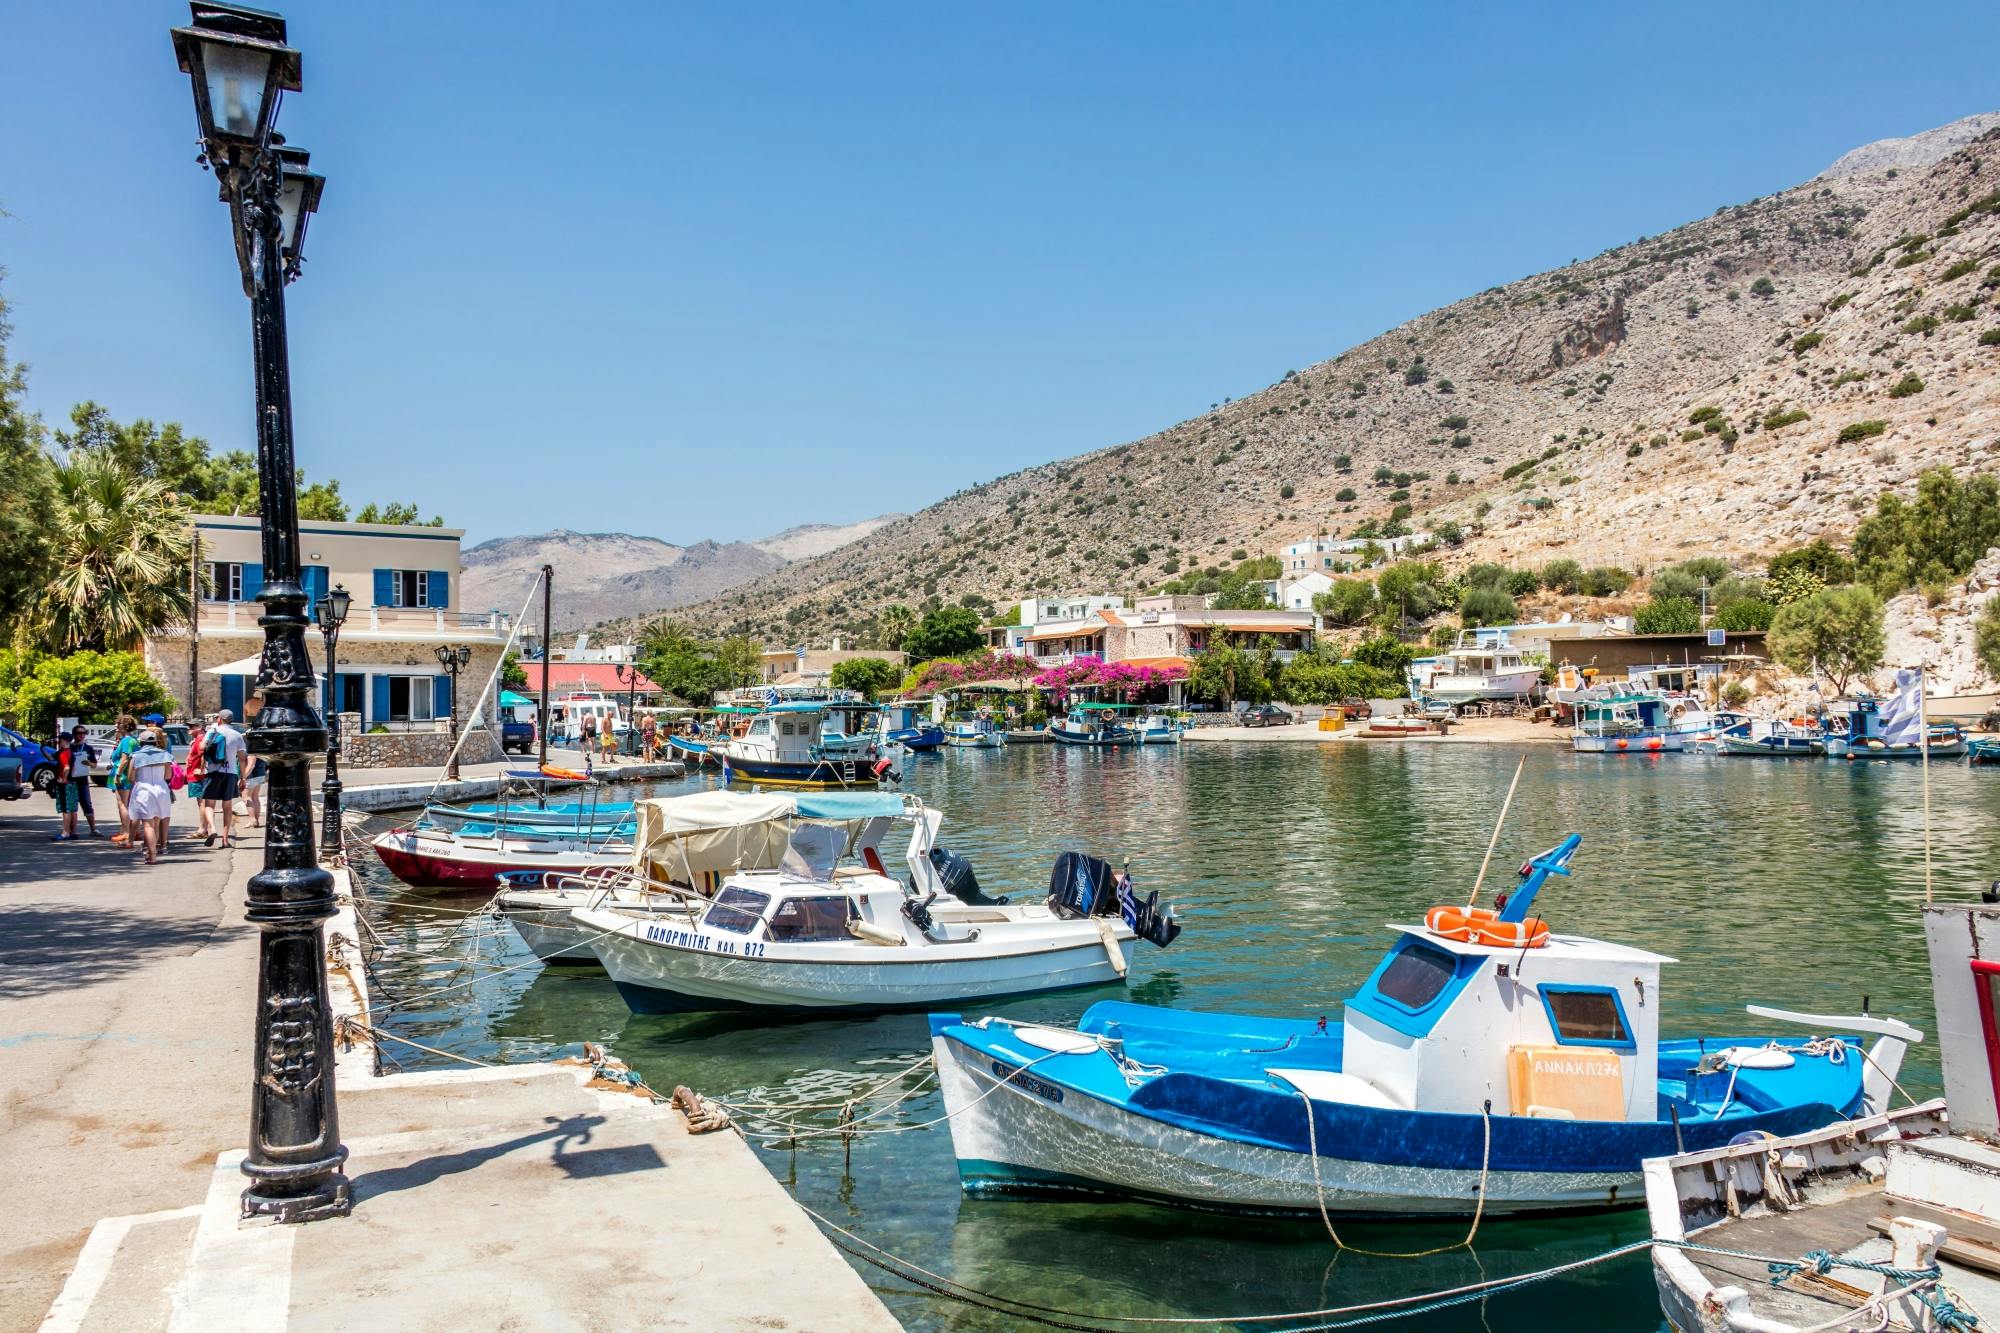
1324 1085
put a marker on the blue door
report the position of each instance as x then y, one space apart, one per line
232 695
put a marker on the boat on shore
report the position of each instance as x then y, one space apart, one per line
1094 724
809 918
1487 1065
1481 665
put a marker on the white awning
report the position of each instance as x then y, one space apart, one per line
247 666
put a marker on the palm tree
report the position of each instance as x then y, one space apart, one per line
117 559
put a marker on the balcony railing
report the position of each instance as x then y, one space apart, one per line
429 621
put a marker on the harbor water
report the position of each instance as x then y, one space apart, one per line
1793 883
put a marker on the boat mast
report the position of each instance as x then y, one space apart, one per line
542 730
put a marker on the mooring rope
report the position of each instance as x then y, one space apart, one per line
1479 1199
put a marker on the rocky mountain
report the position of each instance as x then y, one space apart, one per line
1735 386
1919 150
601 575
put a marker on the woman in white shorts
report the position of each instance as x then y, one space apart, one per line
152 800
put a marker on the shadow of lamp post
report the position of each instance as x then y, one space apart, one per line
331 613
240 67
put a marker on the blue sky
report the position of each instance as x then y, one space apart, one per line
712 271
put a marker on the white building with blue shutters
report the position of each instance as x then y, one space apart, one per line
404 581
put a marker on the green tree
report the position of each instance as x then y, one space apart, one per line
321 501
683 664
944 632
870 675
1226 673
1315 679
1839 629
511 675
1348 603
25 480
1986 638
1481 604
92 686
1486 575
1818 558
395 513
1668 615
1385 653
1411 589
1604 581
1934 538
1744 613
1563 576
117 556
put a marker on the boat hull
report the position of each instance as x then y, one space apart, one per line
1014 1132
1777 747
690 749
1983 751
1947 749
657 976
436 863
857 772
1063 736
980 740
1655 743
917 739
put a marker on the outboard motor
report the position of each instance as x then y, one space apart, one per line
954 872
1083 886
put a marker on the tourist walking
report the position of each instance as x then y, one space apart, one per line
197 770
152 798
586 734
254 782
609 740
649 733
119 778
74 761
222 753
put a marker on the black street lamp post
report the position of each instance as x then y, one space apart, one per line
630 676
331 613
239 65
453 660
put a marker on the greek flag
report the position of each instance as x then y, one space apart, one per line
1902 714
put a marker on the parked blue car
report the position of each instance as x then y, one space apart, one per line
38 762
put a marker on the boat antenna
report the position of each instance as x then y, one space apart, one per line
1924 741
542 715
1498 824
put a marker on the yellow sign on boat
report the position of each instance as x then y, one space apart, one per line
1567 1082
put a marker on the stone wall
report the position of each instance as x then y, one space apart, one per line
411 749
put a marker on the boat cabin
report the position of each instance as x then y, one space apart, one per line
1623 715
1564 1029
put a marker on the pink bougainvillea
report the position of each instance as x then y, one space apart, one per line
943 673
1122 678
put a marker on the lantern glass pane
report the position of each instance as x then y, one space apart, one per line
237 77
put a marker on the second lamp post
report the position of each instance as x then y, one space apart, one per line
453 660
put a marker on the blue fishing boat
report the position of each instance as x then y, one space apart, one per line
908 724
1983 750
1863 737
976 733
1781 740
1094 724
1485 1065
1626 723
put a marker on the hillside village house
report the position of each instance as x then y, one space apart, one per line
1167 630
1322 552
1048 610
404 580
813 666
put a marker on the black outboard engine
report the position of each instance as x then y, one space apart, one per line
1083 886
954 872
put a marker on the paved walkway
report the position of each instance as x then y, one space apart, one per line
124 1034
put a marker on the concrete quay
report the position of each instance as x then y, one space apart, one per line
530 1196
370 790
1470 731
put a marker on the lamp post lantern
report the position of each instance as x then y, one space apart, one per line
630 677
331 613
240 66
453 660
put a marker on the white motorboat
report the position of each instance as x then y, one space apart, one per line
1481 666
809 918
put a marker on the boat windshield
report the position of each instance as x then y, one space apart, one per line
737 910
1416 976
802 920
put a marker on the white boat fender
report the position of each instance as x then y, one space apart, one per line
1109 934
1056 1040
874 934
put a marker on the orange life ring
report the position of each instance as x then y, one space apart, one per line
1481 925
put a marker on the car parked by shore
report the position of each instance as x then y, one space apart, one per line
11 786
1264 715
37 761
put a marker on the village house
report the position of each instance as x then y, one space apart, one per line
1049 612
1328 554
814 666
404 580
1168 630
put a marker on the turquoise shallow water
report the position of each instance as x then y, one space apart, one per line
1793 883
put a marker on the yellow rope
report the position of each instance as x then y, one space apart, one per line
1478 1209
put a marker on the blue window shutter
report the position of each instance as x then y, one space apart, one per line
232 695
385 588
440 696
316 583
253 582
378 700
440 588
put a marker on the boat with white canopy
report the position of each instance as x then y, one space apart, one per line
738 900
